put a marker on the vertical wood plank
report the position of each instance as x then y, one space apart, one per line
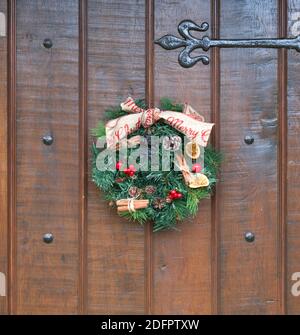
11 108
215 117
116 69
3 164
248 191
282 156
182 259
83 156
149 25
293 165
47 176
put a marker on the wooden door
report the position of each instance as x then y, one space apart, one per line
102 51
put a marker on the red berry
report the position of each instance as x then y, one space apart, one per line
131 173
126 171
173 192
196 168
179 195
118 165
131 167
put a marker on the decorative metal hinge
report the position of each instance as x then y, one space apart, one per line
190 43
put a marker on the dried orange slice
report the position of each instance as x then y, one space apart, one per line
193 150
198 180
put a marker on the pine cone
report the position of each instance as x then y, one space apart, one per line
171 143
134 191
159 203
150 189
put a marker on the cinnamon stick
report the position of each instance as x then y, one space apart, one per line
123 204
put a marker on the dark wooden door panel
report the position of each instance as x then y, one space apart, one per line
248 189
98 262
3 163
116 65
182 259
293 165
47 176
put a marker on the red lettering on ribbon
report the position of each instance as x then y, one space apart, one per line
178 124
205 135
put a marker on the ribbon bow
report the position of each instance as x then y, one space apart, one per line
189 123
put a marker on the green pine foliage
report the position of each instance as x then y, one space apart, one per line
116 185
99 131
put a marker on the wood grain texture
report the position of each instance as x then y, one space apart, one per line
47 176
116 61
282 158
11 137
248 188
182 258
149 88
3 159
293 162
83 155
215 83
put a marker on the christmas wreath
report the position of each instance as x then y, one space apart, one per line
154 164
